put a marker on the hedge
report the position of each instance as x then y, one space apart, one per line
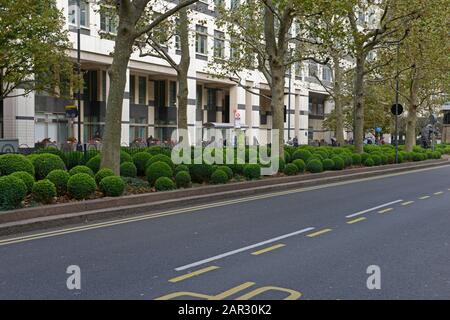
219 177
339 163
164 184
128 169
27 178
252 171
140 160
328 164
301 165
201 173
12 192
103 173
81 169
10 163
291 169
314 166
302 154
158 158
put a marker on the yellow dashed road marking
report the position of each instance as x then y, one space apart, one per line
318 233
407 203
193 274
277 246
356 220
386 210
424 197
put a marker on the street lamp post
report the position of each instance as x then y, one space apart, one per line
289 104
79 146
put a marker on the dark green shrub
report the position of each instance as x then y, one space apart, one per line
103 173
417 156
291 169
376 160
12 192
328 164
339 163
44 191
201 173
81 186
157 170
60 178
112 186
181 167
348 159
183 179
52 150
81 169
364 157
140 160
74 158
158 158
27 178
390 158
436 155
154 150
302 154
356 159
10 163
128 169
369 162
227 170
125 157
46 163
287 157
301 165
252 171
164 184
314 166
94 163
237 168
89 154
219 177
384 159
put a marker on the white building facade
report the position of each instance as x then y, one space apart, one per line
150 103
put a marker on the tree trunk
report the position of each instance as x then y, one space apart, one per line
113 121
339 130
358 105
182 73
411 119
278 105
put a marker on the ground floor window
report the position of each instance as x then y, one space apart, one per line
138 133
164 134
53 127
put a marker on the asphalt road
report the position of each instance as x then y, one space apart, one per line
314 244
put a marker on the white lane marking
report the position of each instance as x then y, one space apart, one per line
229 253
373 209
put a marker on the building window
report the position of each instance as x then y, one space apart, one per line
142 90
298 70
132 89
172 94
84 13
313 69
234 49
201 41
219 44
108 24
327 75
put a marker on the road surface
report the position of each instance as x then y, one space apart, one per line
316 243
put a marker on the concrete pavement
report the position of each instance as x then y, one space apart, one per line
315 244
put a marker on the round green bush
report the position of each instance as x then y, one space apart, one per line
291 169
103 173
181 167
201 173
384 159
328 164
227 170
219 177
59 178
158 158
356 159
369 162
112 186
44 191
436 155
81 186
339 163
140 160
74 158
348 159
376 160
287 157
252 171
154 150
157 170
128 169
10 163
12 192
301 154
301 165
27 178
52 150
183 179
364 157
164 184
125 157
314 166
81 169
94 163
46 163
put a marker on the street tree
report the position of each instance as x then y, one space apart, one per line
136 20
262 39
34 48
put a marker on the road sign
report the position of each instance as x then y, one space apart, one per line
71 112
397 109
